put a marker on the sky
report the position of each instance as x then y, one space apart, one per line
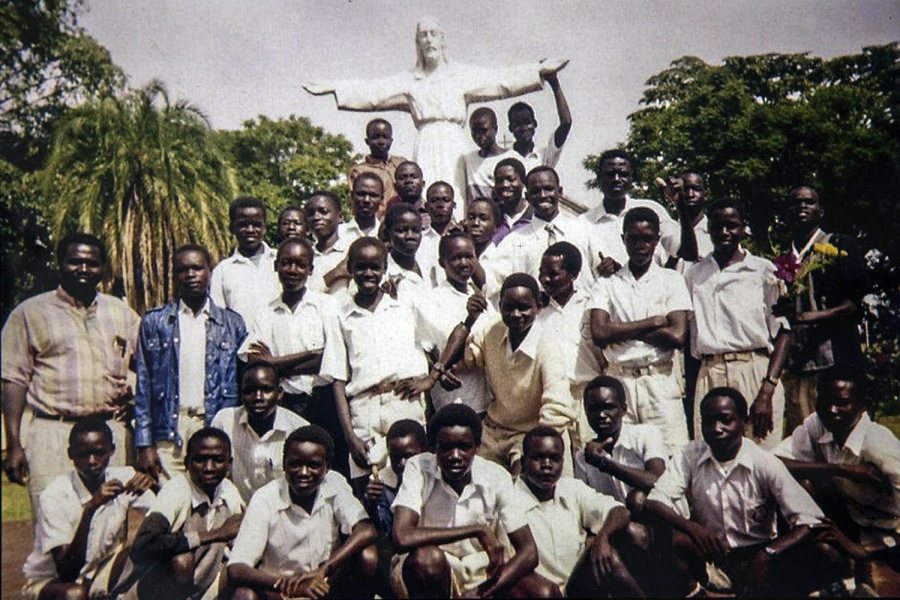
237 60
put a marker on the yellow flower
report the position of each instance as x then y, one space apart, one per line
826 249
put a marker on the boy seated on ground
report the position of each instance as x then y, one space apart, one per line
405 439
302 532
563 512
82 520
180 546
853 467
734 489
447 518
257 430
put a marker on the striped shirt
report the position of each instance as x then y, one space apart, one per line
72 361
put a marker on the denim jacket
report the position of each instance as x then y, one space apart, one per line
156 398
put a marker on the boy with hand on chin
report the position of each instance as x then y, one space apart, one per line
563 512
447 517
734 489
303 531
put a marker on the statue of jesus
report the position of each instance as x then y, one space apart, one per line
437 94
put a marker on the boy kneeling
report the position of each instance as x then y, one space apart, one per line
563 511
447 514
289 544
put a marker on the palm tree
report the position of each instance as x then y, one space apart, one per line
143 174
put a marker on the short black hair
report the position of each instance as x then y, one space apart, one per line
495 208
378 121
262 364
695 173
79 237
641 214
332 197
522 280
192 248
541 169
740 403
245 202
364 242
313 434
608 382
204 433
540 431
394 213
440 183
484 111
453 415
616 153
515 163
842 373
520 107
90 425
405 427
570 254
725 203
444 243
289 208
371 177
408 162
303 242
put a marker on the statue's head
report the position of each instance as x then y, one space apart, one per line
429 43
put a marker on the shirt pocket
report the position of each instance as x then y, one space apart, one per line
757 514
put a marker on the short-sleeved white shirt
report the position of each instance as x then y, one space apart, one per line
326 261
350 231
545 155
564 325
285 538
636 445
257 460
479 171
606 230
410 285
490 499
560 525
733 306
244 285
59 511
659 292
740 501
868 443
373 347
439 311
287 331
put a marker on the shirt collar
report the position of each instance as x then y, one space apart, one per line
264 250
599 212
81 490
526 214
626 274
65 297
533 500
280 423
529 345
199 497
470 287
480 479
278 305
353 225
814 238
855 440
743 457
327 489
184 308
386 303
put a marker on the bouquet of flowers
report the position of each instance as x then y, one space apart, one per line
793 273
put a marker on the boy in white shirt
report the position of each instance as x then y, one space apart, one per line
640 318
366 198
734 490
292 539
323 213
403 232
82 520
734 332
245 281
853 466
180 546
522 124
374 350
562 514
478 165
257 430
449 513
440 204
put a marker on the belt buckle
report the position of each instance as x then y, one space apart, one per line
730 356
637 371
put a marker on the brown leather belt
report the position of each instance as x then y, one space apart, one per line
104 416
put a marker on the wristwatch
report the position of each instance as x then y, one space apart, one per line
773 380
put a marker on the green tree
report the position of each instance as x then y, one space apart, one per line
758 125
284 161
144 174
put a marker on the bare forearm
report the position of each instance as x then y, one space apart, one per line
307 363
847 308
363 534
688 249
562 112
342 405
666 337
636 478
407 539
13 398
667 515
245 575
780 354
611 333
456 343
813 470
70 561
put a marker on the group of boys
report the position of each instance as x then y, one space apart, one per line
281 398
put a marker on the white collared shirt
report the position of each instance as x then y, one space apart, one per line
410 285
372 347
283 539
192 355
287 331
350 231
636 445
243 284
439 311
671 242
522 249
741 500
868 443
606 230
479 171
565 327
58 513
324 262
546 155
256 460
562 524
490 499
626 299
733 306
